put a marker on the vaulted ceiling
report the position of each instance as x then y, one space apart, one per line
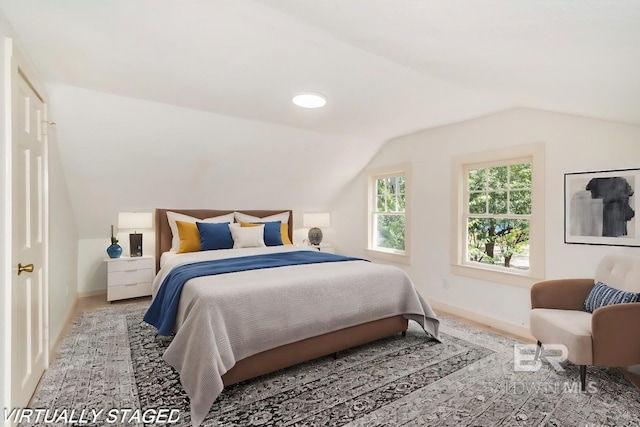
388 67
187 103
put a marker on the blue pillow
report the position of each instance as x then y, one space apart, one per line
214 236
272 233
602 295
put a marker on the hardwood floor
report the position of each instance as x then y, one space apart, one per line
97 301
484 327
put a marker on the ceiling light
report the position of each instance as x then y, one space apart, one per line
310 100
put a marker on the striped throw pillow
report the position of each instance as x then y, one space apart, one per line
602 295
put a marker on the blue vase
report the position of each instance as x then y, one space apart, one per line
114 251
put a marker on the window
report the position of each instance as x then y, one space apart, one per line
498 211
388 213
501 212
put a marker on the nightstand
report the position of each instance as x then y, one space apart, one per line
325 247
129 277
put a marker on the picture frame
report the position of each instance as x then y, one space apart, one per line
602 207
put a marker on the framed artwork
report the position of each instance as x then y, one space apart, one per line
601 208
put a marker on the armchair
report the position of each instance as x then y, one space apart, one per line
606 337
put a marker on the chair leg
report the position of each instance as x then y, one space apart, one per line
583 378
404 334
538 348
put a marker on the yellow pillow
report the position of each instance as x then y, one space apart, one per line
284 231
189 237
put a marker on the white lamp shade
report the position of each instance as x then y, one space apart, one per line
319 220
135 220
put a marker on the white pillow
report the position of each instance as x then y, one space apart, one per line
282 217
172 217
248 237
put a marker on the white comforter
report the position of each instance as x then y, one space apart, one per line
225 318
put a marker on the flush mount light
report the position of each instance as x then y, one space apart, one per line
310 100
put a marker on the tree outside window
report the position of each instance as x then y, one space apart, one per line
499 215
389 214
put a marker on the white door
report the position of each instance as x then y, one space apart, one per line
28 317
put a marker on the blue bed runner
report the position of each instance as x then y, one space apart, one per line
164 308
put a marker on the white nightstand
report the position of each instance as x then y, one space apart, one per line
129 277
325 247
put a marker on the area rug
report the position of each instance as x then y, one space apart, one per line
111 359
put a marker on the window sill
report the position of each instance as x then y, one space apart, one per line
498 276
388 256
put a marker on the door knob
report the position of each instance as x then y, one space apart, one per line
27 268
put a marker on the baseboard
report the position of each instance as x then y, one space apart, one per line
85 294
498 325
67 320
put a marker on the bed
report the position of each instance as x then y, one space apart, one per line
229 328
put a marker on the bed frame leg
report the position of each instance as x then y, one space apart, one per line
404 334
335 356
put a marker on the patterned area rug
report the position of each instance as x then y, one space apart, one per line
113 360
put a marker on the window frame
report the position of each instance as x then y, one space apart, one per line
460 264
391 255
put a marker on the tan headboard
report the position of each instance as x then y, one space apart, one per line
163 231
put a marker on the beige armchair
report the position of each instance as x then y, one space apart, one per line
607 337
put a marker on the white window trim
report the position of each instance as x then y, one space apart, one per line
389 255
459 265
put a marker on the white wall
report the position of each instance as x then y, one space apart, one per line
573 144
92 271
129 155
63 244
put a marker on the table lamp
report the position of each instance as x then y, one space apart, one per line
315 221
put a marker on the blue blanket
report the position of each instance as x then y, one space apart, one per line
163 310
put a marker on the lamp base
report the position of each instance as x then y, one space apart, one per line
135 244
315 236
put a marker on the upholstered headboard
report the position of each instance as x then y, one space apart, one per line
163 231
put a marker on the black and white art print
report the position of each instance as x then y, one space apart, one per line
601 208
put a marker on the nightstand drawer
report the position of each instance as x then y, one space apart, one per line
128 277
128 291
130 264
